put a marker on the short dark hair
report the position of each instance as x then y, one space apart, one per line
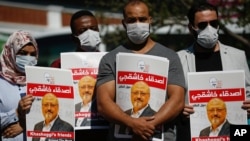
77 15
197 7
131 2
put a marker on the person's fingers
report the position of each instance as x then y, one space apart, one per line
186 114
8 133
188 110
246 106
149 118
25 104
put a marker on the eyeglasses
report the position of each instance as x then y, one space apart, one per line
213 23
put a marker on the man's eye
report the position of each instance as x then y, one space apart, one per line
94 28
131 20
33 54
81 31
144 19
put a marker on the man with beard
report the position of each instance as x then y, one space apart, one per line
86 87
52 121
140 95
216 113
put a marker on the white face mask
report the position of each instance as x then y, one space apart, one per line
25 60
90 40
138 32
207 37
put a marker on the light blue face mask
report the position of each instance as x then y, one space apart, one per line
90 40
208 37
138 32
25 60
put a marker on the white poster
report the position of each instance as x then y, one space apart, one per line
52 113
141 86
84 67
217 98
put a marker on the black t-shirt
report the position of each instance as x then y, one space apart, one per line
208 61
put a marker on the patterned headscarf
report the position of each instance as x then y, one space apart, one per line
8 68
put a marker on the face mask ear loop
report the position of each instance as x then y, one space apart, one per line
194 28
194 31
218 28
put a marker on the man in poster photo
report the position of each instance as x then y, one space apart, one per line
140 96
86 87
216 113
52 121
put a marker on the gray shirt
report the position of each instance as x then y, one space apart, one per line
107 72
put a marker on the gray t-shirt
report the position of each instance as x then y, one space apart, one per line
107 72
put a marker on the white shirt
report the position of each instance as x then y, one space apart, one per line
138 114
84 108
215 133
47 128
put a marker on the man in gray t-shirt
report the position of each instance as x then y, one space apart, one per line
137 22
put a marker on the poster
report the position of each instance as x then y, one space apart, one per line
84 67
217 98
52 113
141 86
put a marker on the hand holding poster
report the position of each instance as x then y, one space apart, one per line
84 71
141 86
217 99
51 116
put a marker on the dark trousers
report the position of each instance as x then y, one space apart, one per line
183 130
91 135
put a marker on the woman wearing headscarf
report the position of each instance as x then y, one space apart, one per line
19 50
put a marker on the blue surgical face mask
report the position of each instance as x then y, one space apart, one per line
25 60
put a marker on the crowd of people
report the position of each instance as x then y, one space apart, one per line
207 53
